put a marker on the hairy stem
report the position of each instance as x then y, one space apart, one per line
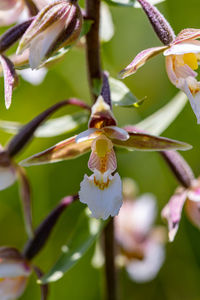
109 250
93 45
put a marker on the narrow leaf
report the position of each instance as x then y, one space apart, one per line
161 119
84 235
146 142
26 200
50 128
10 79
121 95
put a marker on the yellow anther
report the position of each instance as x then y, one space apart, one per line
191 60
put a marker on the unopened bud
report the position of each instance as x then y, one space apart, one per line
161 26
57 25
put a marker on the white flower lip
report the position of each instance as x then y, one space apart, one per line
102 202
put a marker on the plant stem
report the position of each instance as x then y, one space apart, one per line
109 250
93 45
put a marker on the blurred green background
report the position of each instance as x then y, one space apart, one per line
179 276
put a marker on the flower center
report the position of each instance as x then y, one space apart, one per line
191 60
101 184
102 147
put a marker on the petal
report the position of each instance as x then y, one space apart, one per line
7 177
12 288
140 60
187 34
172 212
193 212
102 202
194 192
10 79
115 132
147 268
147 142
67 149
88 134
41 44
135 221
101 115
187 86
10 11
171 71
179 49
35 77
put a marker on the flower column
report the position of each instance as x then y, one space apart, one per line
95 75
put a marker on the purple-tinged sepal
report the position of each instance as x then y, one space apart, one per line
161 26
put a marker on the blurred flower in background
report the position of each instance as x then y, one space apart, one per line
141 243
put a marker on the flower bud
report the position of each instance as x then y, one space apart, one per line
57 25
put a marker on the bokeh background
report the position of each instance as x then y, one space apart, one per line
179 276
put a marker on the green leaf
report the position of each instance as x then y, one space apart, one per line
84 235
130 3
121 95
50 128
161 119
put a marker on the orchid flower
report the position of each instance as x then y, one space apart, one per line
188 193
181 55
141 244
102 191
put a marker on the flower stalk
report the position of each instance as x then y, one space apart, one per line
93 45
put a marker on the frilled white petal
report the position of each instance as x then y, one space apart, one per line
102 202
35 77
7 177
183 48
147 268
12 288
86 135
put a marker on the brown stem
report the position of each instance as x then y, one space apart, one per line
109 250
93 45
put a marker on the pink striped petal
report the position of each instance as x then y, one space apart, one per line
187 34
140 60
172 212
182 48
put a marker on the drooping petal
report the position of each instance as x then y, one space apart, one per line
102 202
10 79
193 212
147 142
192 89
140 60
67 149
7 177
172 212
25 192
147 268
35 77
115 132
182 48
186 35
